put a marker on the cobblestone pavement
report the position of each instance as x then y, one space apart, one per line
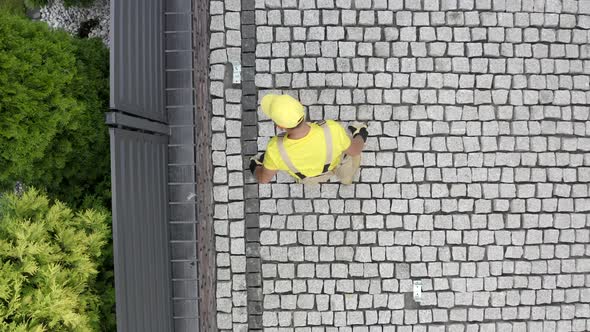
475 177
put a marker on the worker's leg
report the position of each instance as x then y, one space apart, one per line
347 168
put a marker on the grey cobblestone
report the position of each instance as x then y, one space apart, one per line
474 179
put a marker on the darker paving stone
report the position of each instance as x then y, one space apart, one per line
249 137
253 265
249 31
248 74
253 249
249 89
252 220
248 17
249 118
250 132
249 103
249 45
255 323
248 60
246 161
252 234
252 205
248 5
249 179
255 294
253 281
255 307
251 191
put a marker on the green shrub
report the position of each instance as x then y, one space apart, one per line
53 94
105 280
49 261
15 7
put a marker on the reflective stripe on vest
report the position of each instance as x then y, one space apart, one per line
287 160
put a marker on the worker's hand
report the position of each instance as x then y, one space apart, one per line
255 162
359 129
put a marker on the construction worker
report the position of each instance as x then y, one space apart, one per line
310 152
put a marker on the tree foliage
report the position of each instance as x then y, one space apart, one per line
53 94
49 261
14 7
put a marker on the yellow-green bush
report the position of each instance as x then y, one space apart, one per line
50 257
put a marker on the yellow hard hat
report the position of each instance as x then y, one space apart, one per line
283 110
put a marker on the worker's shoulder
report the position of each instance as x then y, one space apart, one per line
329 123
272 148
272 143
335 125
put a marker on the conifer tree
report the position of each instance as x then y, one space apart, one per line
49 260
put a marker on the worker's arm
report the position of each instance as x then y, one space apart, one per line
356 147
359 137
264 175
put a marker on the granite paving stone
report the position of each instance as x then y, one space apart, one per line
474 180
